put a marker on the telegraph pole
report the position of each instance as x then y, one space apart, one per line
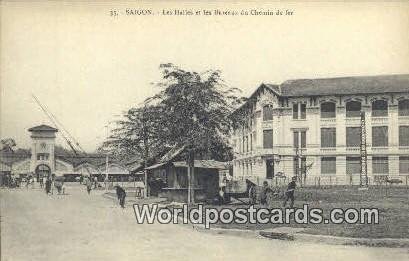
363 175
146 152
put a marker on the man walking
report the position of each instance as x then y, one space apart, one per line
48 186
88 183
121 194
289 194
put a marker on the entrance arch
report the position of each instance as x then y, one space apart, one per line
42 170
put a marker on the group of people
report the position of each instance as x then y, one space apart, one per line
50 182
267 192
10 181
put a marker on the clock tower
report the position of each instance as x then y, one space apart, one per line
42 150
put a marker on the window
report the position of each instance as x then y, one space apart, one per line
295 111
268 113
251 142
269 168
303 110
404 165
403 107
380 136
353 136
299 111
327 110
328 137
42 156
379 108
380 165
353 109
299 139
328 165
268 139
303 139
300 165
403 135
353 165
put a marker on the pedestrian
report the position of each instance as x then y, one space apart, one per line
48 186
95 182
88 183
265 190
289 194
41 182
121 194
252 194
221 197
28 180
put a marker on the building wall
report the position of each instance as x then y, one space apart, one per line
283 126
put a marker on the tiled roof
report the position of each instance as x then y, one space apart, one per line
345 85
43 127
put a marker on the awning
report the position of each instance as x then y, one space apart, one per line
205 164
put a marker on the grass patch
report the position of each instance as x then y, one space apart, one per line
392 202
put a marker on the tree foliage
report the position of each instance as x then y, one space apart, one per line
191 109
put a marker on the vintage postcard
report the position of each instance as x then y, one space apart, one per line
192 130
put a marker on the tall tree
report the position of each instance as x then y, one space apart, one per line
197 109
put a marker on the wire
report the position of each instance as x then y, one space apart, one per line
64 133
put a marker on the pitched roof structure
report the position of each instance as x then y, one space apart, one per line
394 83
345 85
43 127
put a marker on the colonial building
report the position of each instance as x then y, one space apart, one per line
313 127
42 160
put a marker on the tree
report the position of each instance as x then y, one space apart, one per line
136 135
192 110
7 145
197 109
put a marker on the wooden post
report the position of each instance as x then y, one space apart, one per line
190 176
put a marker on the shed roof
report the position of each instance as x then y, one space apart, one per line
205 164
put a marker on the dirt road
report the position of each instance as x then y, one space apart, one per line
78 226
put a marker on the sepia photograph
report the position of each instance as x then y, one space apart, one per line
204 130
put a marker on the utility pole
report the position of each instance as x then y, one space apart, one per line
364 159
146 152
106 162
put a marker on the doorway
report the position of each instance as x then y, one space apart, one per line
42 171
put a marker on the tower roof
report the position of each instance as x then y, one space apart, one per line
42 127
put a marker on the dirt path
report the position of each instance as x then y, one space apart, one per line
78 226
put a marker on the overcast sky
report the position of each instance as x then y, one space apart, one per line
87 67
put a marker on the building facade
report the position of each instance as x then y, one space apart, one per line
42 160
312 128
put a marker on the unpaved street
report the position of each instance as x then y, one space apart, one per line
77 226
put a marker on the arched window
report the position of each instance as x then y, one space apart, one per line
353 109
379 108
404 107
328 110
268 113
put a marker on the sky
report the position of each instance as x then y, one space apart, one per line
88 67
